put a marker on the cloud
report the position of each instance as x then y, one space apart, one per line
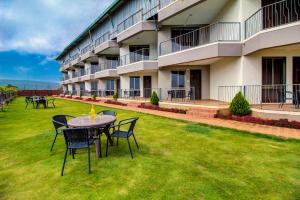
22 69
47 26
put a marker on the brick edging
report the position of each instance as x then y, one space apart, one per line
282 132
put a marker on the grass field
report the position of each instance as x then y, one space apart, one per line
177 160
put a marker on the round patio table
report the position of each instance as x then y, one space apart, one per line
100 122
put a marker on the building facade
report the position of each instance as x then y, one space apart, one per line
196 49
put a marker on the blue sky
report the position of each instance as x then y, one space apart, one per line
33 32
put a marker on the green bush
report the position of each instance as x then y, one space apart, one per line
239 105
94 96
116 96
81 94
154 100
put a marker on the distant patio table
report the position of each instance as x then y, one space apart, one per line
100 124
39 100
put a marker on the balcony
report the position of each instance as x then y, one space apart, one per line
139 60
88 74
87 52
75 59
265 28
107 69
209 42
134 25
105 45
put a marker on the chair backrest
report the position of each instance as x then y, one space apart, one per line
108 112
60 121
131 122
76 135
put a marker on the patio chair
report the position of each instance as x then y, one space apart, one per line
59 121
76 138
171 94
51 100
118 133
29 100
288 95
107 112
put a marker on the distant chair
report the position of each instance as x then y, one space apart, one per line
288 95
118 133
51 100
107 112
29 100
59 121
76 138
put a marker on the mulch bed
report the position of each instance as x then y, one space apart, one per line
92 100
115 102
153 107
271 122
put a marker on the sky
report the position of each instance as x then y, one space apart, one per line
34 32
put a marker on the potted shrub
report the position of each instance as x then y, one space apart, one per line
154 100
239 105
116 96
94 96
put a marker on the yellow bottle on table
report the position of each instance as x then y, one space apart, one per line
93 113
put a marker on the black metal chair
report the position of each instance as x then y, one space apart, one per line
118 133
288 95
107 112
59 122
29 100
51 100
76 138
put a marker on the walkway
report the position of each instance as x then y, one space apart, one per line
243 126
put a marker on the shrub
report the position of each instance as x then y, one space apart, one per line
239 105
116 96
94 96
81 94
154 100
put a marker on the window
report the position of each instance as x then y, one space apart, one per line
273 79
134 83
94 67
82 86
110 84
94 86
273 71
178 79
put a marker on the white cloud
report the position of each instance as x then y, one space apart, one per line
22 69
46 26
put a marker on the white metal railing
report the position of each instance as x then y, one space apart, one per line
164 3
87 48
221 31
130 21
273 15
136 56
262 94
103 38
75 56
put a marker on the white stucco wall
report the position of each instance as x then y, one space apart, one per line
226 72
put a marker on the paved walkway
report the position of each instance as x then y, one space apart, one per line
250 127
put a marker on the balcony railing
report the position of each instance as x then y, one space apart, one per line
218 32
136 56
130 21
87 48
103 38
75 56
263 94
109 64
164 3
273 15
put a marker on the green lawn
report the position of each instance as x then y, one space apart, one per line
177 160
